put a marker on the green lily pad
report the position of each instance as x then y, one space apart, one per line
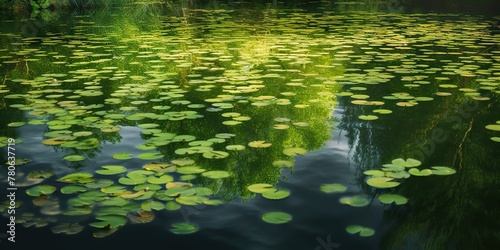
152 205
408 163
18 162
109 221
71 189
495 139
16 124
283 163
423 172
261 188
114 201
150 156
276 195
235 147
333 188
123 156
67 228
441 170
354 201
216 174
101 233
160 180
215 154
190 170
41 190
382 182
172 206
259 144
40 174
79 177
183 228
294 151
363 231
111 170
494 127
374 173
390 198
368 117
74 157
276 217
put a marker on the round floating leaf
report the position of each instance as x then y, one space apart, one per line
216 174
375 173
363 231
80 177
495 139
259 144
283 163
276 217
152 205
150 156
16 124
41 190
277 195
382 182
333 188
215 154
261 188
114 201
190 170
71 189
441 170
235 147
109 221
172 206
123 156
423 172
67 228
74 157
40 174
390 198
111 170
494 127
368 117
382 111
354 201
294 151
160 180
183 228
409 163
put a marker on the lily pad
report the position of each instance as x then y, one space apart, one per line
40 174
71 189
261 188
216 174
390 198
123 156
409 163
183 228
363 231
150 156
354 201
41 190
423 172
152 205
111 170
382 182
109 221
494 127
259 144
368 117
294 151
276 217
67 228
441 170
333 188
276 195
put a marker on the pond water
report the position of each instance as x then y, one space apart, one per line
250 129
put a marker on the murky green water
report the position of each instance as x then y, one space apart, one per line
275 129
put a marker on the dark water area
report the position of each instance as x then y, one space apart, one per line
327 125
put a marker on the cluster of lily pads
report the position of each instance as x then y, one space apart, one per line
384 179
